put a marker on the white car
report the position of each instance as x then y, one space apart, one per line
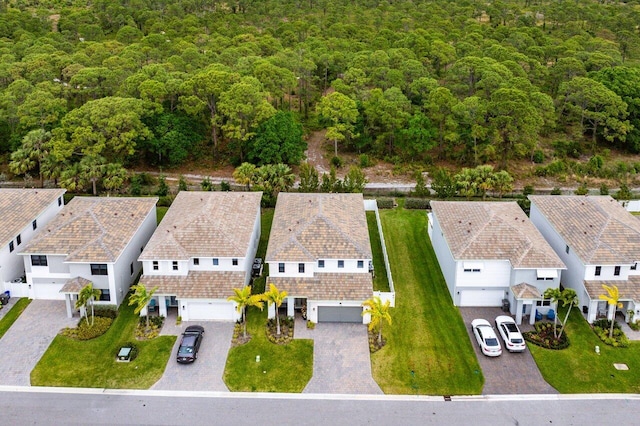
513 340
486 337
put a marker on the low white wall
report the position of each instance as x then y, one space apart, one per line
372 205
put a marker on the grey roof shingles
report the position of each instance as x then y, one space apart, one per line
307 227
205 224
597 228
19 207
494 231
92 229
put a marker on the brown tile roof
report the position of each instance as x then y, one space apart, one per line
92 229
525 291
597 228
205 224
197 284
74 285
19 207
327 286
477 230
629 289
307 227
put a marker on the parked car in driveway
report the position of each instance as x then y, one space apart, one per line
510 333
190 343
486 337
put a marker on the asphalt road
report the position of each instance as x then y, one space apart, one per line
20 406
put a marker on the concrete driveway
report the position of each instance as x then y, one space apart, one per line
205 374
29 337
510 373
341 361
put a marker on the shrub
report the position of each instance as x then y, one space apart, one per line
385 203
286 330
365 161
134 350
538 156
635 325
311 325
182 184
163 188
86 331
337 162
601 328
543 336
604 189
106 311
417 204
165 201
225 186
527 190
556 191
206 184
582 189
155 326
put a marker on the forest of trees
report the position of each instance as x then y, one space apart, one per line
91 88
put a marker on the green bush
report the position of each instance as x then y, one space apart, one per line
365 161
556 191
543 336
417 204
165 201
601 328
385 203
86 331
582 190
337 162
538 156
225 186
106 311
527 190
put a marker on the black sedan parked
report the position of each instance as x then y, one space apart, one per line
190 343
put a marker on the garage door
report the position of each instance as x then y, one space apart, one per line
47 291
199 311
481 297
339 314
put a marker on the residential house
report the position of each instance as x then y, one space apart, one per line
22 213
599 241
93 239
203 249
319 253
491 255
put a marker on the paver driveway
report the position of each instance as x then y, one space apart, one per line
205 374
28 338
341 361
509 373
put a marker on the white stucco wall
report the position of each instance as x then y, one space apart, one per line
444 256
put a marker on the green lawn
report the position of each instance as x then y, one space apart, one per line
160 212
428 336
380 281
282 368
92 363
266 219
10 317
578 369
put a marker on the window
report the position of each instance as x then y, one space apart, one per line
301 268
34 225
155 265
616 271
340 263
320 263
543 303
174 265
19 239
566 249
99 269
38 260
472 270
59 201
215 262
10 246
360 264
234 262
196 261
131 268
105 295
281 267
598 270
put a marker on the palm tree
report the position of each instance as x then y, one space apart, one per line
569 297
141 298
276 297
244 298
379 313
86 296
92 167
555 295
35 148
613 300
244 173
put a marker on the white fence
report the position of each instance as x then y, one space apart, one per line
372 205
631 205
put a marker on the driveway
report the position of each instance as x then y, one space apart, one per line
205 374
341 361
510 373
29 337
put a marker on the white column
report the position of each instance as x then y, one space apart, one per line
162 305
518 311
67 301
290 306
532 317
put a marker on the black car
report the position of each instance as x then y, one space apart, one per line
189 344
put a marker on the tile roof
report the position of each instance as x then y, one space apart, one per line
19 207
92 229
307 227
74 285
476 230
200 224
525 291
327 286
629 289
197 284
597 228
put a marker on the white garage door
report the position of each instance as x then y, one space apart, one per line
481 297
47 291
199 311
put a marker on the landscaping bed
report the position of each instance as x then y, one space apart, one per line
602 326
543 336
152 331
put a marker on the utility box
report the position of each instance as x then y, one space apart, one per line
506 305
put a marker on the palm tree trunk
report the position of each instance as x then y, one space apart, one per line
612 319
380 334
277 322
92 313
566 318
244 322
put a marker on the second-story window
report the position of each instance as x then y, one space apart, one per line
34 225
19 239
340 263
99 269
215 262
598 271
234 262
155 265
281 267
196 261
320 263
616 271
360 264
174 265
301 268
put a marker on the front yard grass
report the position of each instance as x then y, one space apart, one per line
282 368
579 369
428 350
92 363
380 281
10 317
